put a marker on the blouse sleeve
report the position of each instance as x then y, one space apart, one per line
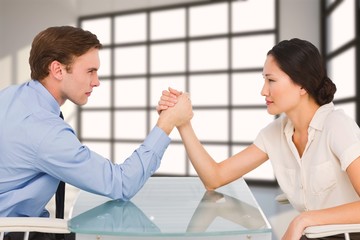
344 138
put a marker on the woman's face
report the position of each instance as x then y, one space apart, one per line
280 92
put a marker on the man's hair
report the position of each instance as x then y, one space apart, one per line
63 44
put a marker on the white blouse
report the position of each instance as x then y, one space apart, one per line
318 179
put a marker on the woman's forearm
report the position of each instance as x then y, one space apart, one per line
204 164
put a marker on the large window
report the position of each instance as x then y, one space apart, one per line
341 49
214 50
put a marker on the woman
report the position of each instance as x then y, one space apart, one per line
314 149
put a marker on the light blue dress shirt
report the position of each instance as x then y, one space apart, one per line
38 149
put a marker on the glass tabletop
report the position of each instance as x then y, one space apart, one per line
172 206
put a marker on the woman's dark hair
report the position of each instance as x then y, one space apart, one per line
302 62
62 44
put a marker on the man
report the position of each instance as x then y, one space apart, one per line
38 149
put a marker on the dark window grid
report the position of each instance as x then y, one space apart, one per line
184 73
215 143
328 56
148 11
187 74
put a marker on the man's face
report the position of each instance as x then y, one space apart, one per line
79 82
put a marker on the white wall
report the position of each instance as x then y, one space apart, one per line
301 19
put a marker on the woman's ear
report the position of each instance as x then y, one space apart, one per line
303 91
56 70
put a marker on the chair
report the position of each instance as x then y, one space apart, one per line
332 229
324 230
32 224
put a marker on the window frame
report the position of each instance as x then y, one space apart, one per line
229 143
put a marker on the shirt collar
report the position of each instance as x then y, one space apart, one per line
49 102
317 121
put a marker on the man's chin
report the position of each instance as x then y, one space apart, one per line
80 103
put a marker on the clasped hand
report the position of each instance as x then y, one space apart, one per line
175 107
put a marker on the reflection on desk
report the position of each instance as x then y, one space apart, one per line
215 204
173 207
115 216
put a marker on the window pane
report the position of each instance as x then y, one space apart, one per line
130 124
244 19
173 161
342 71
105 62
168 24
100 96
246 88
95 124
209 55
101 27
130 28
208 90
248 123
263 172
124 150
168 58
211 125
338 35
209 19
349 109
186 47
130 92
100 148
131 60
158 84
250 52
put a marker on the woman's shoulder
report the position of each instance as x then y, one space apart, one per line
339 124
338 117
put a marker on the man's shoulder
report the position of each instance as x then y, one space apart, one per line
9 90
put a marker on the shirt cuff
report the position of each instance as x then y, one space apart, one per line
157 140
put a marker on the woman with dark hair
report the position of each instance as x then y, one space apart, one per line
314 149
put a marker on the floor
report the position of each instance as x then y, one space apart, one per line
279 215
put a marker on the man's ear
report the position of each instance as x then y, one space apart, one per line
56 70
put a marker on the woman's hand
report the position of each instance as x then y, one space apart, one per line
167 99
296 228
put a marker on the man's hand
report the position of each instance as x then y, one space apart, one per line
176 115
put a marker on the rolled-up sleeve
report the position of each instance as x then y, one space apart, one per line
344 139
